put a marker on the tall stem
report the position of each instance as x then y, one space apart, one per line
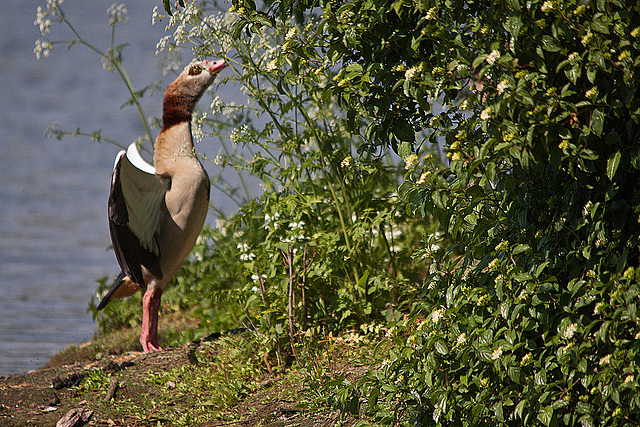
116 65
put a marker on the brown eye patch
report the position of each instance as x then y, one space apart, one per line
194 70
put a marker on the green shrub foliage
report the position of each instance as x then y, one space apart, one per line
531 316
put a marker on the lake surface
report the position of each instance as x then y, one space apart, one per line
54 235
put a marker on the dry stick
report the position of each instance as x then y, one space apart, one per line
113 387
302 286
289 259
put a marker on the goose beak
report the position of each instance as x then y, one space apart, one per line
215 66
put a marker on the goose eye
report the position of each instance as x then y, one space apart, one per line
194 70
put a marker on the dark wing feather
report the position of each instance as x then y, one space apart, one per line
136 206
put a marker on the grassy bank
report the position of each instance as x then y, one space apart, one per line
219 380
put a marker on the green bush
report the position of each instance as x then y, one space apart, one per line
530 317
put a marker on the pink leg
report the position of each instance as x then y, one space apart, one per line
149 332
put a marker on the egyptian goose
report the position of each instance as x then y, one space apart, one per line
156 212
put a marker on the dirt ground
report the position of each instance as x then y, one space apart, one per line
43 397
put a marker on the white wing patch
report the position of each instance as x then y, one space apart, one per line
143 192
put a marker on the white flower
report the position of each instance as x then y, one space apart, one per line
43 48
346 162
247 256
462 338
423 178
410 73
272 66
54 4
296 225
485 114
437 315
42 21
117 13
493 57
410 161
162 44
605 360
547 6
502 86
497 353
255 278
291 33
156 16
569 331
243 247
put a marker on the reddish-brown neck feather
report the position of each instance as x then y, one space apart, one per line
176 108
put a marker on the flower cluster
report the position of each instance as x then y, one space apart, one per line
493 57
43 22
437 315
245 255
569 331
271 221
117 13
410 161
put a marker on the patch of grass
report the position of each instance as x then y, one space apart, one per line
228 380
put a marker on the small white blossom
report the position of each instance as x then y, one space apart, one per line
42 21
605 360
296 225
497 353
547 6
437 315
162 44
156 16
291 33
485 114
502 86
410 161
423 178
462 338
247 256
272 66
117 13
243 247
43 48
255 278
410 73
346 162
569 331
493 57
53 5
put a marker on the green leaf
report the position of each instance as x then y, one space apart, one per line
404 149
497 409
167 7
513 25
403 130
515 374
597 121
612 164
545 415
549 44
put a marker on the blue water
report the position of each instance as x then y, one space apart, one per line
53 230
